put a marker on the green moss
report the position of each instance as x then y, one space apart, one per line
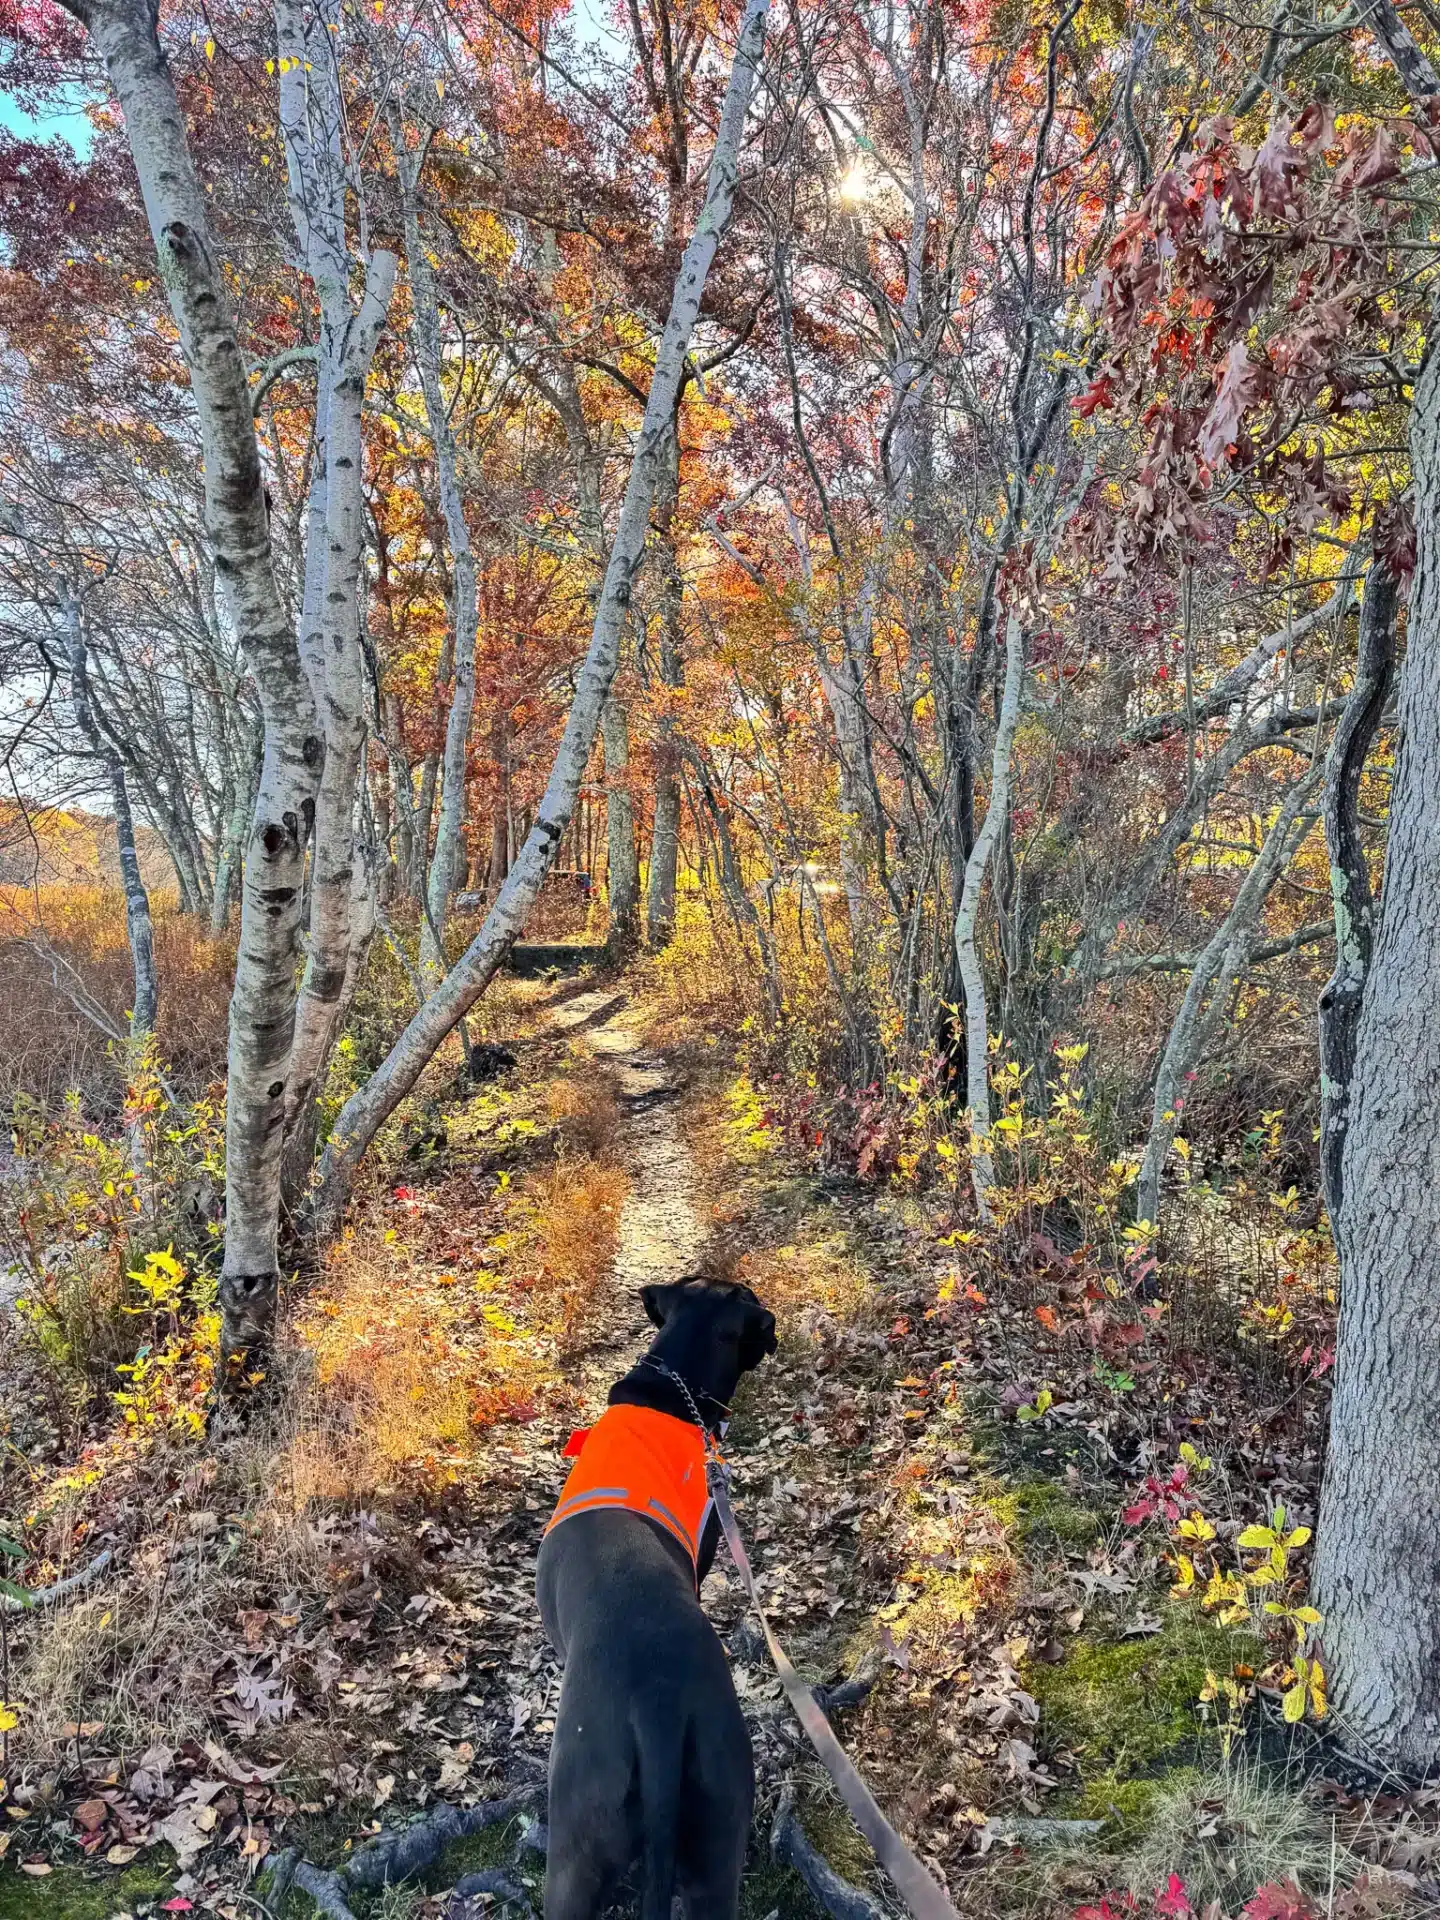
768 1889
832 1832
1127 1804
1128 1708
1045 1510
74 1892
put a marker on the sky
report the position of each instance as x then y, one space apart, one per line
591 19
73 128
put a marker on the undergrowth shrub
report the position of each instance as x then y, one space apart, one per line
85 1215
404 1368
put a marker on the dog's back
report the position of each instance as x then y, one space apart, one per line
651 1758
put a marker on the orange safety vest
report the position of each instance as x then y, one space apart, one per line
644 1461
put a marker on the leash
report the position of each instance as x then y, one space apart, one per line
916 1885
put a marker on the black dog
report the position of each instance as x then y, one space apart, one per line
651 1758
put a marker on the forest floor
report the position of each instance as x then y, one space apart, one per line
264 1670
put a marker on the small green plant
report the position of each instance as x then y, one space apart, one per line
11 1593
1298 1674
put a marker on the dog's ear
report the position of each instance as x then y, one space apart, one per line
659 1302
758 1337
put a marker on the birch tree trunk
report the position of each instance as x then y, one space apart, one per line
232 845
368 1109
328 964
1374 1576
967 954
622 868
139 929
262 1006
311 119
464 599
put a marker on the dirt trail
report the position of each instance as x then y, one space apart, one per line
661 1233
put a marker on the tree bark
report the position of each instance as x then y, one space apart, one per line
312 121
368 1109
262 1007
665 835
329 961
464 598
139 928
1374 1573
967 955
1344 991
1222 961
622 868
1413 66
232 845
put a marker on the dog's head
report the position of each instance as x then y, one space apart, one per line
711 1331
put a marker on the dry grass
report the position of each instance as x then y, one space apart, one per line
402 1369
1228 1832
584 1113
809 1283
576 1222
199 1535
51 1047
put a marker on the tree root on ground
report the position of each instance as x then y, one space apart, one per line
790 1848
844 1693
401 1855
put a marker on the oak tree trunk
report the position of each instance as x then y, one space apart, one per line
1344 992
1375 1562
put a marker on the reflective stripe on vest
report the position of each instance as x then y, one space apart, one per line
646 1462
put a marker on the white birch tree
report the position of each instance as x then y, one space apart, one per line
367 1110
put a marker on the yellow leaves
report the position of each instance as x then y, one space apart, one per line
1305 1688
209 49
9 1717
1196 1527
1274 1535
1277 1545
1196 1462
1229 1696
161 1280
1225 1597
1185 1585
1302 1616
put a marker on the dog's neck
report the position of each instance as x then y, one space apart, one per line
651 1383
